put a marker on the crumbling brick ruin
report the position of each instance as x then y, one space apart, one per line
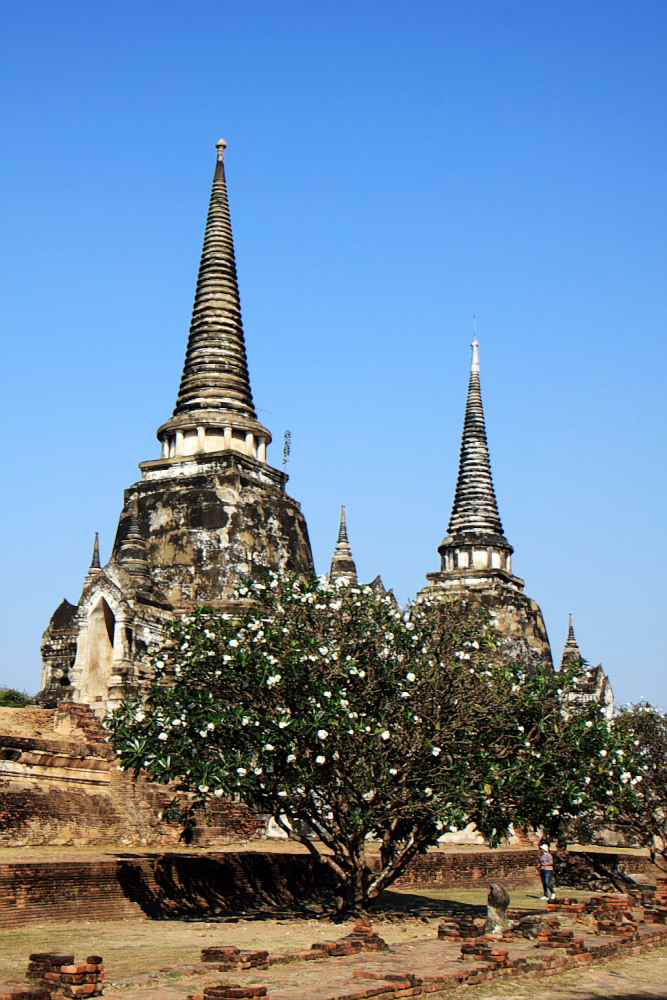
60 785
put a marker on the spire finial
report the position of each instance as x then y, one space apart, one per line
221 146
475 509
95 561
342 565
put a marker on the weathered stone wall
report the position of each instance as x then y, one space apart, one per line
518 618
208 523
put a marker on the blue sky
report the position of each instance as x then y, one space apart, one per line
393 168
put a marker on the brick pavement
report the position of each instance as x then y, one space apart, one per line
416 968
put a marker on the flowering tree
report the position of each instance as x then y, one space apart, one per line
641 803
341 715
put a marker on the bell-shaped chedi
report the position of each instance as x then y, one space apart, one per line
208 514
343 568
476 558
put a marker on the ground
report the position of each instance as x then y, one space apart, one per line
139 953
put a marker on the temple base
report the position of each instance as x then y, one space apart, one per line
518 619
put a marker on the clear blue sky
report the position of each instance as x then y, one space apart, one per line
393 168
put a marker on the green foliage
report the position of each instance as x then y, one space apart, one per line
11 698
641 802
328 706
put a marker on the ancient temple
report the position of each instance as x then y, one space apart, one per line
596 685
207 514
476 558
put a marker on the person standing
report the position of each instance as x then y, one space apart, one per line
546 870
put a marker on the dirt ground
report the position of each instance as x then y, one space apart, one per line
136 946
641 978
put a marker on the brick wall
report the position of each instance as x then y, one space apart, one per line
444 870
177 886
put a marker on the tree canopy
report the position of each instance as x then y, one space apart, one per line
640 806
350 720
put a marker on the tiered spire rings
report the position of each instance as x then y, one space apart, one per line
475 541
475 508
571 649
342 564
214 409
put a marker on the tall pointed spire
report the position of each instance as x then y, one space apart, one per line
214 408
571 648
216 369
475 508
95 561
342 565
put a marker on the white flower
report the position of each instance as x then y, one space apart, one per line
411 677
392 770
368 796
291 758
269 746
324 650
362 673
257 770
218 792
589 724
327 694
409 626
233 642
344 703
603 753
273 679
245 721
404 694
428 792
322 733
211 726
415 718
625 777
283 724
241 771
320 760
385 735
436 751
282 795
139 716
521 729
203 788
163 736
